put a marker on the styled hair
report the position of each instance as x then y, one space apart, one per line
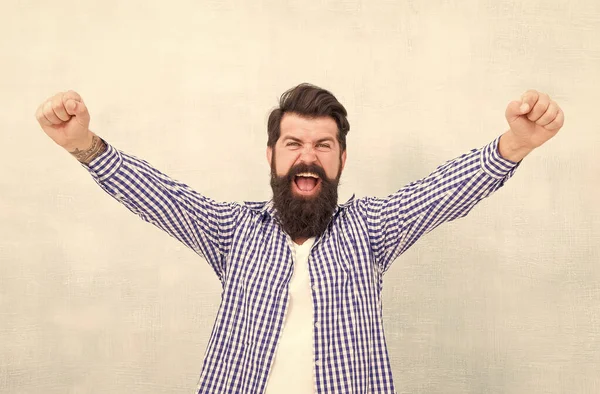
308 101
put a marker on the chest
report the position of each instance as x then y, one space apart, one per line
264 265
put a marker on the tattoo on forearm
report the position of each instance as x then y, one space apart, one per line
86 156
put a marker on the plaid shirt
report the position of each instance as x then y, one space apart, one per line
252 257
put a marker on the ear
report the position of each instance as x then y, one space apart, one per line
269 155
343 160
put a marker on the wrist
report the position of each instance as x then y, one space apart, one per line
511 148
82 143
87 150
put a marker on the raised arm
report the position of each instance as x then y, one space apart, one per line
397 221
200 223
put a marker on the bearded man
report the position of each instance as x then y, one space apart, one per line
301 274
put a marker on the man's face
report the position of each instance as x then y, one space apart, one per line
305 169
308 142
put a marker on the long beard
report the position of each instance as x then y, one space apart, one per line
304 217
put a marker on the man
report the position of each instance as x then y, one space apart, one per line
302 275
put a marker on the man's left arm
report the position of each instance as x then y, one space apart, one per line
453 189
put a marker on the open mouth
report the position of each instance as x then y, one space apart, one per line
307 182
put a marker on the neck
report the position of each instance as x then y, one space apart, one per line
300 240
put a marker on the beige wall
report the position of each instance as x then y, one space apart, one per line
93 300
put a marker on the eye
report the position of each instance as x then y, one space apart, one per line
292 143
323 145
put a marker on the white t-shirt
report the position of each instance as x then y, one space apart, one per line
293 368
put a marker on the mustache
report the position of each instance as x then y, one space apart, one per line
303 167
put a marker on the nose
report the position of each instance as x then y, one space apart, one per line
307 155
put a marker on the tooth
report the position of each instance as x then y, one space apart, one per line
309 174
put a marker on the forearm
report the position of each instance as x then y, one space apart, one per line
203 225
450 192
510 149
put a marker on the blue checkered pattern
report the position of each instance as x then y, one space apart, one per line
252 257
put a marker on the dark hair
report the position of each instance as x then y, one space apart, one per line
309 101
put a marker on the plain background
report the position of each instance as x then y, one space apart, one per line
93 300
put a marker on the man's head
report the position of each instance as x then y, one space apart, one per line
306 150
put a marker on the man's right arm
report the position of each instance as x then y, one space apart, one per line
200 223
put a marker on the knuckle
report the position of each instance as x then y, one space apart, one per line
75 94
558 122
545 99
545 105
57 103
71 94
47 109
49 114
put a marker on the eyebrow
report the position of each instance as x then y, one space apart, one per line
330 139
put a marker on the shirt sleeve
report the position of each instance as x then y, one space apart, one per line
203 225
397 221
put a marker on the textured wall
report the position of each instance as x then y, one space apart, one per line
93 300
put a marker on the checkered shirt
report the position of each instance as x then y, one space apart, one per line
252 257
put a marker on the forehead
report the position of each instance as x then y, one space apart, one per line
293 125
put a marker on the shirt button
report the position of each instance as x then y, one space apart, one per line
314 287
319 363
318 325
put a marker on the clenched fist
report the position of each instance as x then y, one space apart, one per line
65 118
534 119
